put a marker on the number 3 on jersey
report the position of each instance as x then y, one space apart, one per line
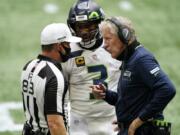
98 78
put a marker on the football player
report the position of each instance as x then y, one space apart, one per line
89 64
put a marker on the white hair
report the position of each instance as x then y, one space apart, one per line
125 22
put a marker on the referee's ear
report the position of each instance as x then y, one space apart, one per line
61 48
48 47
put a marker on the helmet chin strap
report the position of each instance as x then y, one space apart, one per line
88 44
91 43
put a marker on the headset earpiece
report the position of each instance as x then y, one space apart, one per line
123 32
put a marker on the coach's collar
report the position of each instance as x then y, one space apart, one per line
127 53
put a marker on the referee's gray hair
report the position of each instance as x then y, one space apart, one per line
125 22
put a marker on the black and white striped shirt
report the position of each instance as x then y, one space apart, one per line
43 91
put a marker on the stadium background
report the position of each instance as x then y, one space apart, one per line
157 25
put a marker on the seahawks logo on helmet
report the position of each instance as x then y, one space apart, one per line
83 5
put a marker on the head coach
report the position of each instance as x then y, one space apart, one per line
144 89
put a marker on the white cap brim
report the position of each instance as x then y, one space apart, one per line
73 39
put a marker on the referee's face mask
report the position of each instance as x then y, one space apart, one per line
64 51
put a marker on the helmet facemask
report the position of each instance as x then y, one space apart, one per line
88 31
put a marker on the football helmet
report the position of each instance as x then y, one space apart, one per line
84 17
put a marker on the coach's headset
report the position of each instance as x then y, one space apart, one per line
124 33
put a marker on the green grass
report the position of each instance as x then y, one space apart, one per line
18 116
156 23
10 133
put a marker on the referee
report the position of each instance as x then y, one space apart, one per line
43 85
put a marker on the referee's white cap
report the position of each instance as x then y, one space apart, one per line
56 33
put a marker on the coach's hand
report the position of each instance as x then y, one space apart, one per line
134 125
98 91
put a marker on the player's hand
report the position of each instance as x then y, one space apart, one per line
98 91
134 126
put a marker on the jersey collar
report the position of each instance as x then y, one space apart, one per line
57 64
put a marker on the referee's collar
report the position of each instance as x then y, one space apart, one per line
56 63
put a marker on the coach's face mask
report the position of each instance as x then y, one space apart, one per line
65 53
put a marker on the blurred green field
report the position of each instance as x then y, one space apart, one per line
157 25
